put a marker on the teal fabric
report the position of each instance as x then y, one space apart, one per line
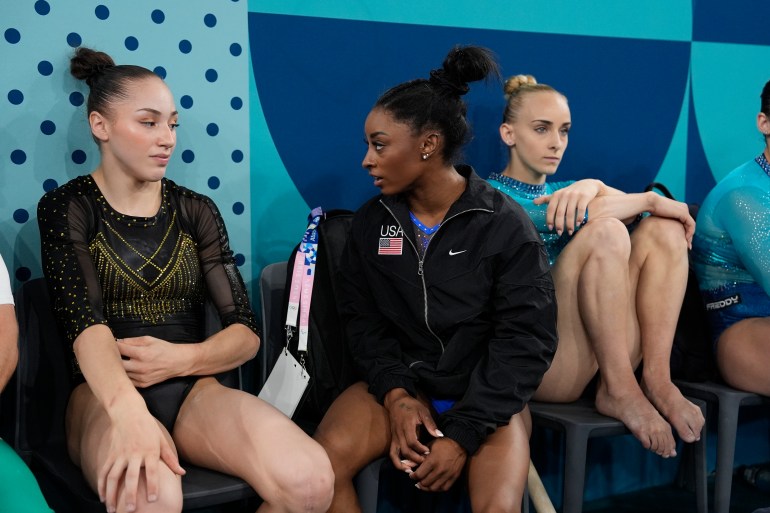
19 490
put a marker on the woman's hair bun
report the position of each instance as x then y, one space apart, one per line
464 64
513 84
88 64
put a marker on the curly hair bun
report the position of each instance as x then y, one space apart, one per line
513 84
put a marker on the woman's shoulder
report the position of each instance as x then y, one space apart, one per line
187 195
80 188
744 177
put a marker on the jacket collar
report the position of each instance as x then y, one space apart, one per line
477 195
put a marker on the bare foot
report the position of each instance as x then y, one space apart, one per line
640 417
686 417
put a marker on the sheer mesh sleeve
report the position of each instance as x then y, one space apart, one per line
64 219
223 280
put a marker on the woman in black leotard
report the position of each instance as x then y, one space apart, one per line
130 257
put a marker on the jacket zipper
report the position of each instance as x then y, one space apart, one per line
420 261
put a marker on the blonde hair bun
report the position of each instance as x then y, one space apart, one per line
515 82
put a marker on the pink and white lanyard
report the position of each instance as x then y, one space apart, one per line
302 278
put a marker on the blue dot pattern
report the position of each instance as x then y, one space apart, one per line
12 36
48 127
42 7
50 184
23 274
76 98
21 216
45 68
158 16
45 140
15 96
18 157
74 39
79 157
102 12
132 43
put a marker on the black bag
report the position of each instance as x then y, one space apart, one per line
692 356
328 360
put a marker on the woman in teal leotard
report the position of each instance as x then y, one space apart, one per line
731 256
619 291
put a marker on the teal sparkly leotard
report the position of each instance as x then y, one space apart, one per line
731 248
525 194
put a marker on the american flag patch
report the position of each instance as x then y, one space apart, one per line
390 246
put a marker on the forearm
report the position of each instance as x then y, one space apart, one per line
625 207
100 362
223 351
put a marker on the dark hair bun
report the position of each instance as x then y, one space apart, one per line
464 64
88 64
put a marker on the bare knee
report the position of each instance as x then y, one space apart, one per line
609 237
170 501
665 235
169 498
306 484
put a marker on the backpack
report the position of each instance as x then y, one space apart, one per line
328 360
692 355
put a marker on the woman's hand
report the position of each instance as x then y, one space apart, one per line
138 442
406 415
150 360
672 209
567 207
441 467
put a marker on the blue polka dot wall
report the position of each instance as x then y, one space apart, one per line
198 47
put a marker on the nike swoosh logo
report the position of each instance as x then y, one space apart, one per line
453 253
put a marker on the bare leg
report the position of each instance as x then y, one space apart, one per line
743 355
497 473
239 434
658 269
355 431
88 440
597 328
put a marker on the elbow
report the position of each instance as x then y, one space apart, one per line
252 341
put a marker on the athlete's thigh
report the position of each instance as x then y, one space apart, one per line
355 429
497 473
89 439
574 364
743 355
237 433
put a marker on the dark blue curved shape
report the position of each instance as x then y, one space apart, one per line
318 78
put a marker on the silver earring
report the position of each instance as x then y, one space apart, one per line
425 156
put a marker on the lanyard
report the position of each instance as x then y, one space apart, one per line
302 278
